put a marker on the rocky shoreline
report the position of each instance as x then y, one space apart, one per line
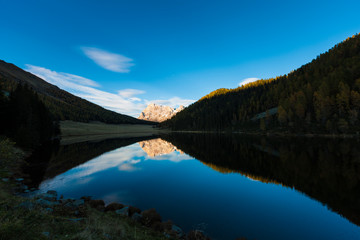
75 210
27 214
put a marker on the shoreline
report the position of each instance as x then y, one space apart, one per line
272 134
74 132
56 217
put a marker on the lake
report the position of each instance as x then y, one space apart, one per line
228 186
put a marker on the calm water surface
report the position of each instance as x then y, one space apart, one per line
230 187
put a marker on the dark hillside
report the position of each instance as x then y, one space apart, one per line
321 96
63 105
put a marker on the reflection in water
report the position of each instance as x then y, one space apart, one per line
157 147
325 169
153 173
127 159
53 159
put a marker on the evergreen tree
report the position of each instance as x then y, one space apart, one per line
26 119
321 96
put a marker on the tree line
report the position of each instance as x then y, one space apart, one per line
62 104
321 96
25 119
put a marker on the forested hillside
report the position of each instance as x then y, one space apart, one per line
62 105
321 96
25 119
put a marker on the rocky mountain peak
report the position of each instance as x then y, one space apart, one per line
159 113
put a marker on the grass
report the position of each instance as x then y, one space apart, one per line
18 223
72 132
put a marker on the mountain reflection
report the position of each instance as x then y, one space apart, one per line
124 159
327 170
156 147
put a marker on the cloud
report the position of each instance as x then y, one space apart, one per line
62 80
128 93
247 80
172 102
110 61
123 102
84 88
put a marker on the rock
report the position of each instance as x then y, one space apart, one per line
113 207
46 203
197 235
86 198
150 216
49 196
133 210
136 217
64 201
123 212
98 204
158 113
52 192
179 233
70 206
79 202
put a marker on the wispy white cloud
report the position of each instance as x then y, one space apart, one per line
128 93
110 61
123 102
62 80
172 102
247 80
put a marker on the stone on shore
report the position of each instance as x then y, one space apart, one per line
178 231
197 235
113 207
46 203
133 210
98 204
123 212
150 216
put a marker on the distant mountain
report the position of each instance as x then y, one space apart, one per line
159 113
63 105
322 96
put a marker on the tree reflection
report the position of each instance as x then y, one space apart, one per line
327 170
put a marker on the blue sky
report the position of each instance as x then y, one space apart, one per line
125 54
